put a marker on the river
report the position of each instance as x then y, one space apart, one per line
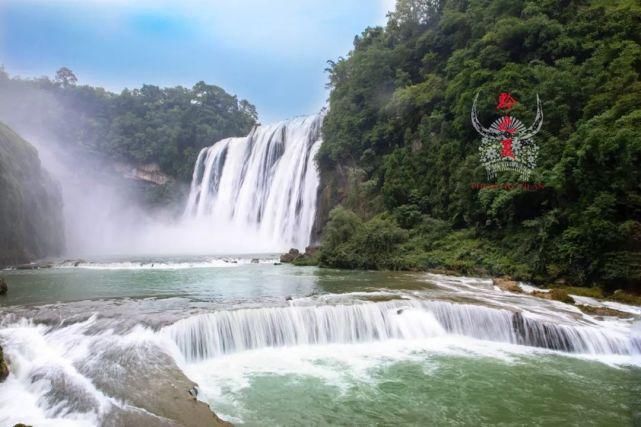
103 342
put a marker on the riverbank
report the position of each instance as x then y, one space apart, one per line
313 256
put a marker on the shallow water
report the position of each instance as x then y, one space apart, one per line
276 344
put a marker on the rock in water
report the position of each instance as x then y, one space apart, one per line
290 256
3 286
4 369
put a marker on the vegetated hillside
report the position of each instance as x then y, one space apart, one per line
31 222
150 125
401 155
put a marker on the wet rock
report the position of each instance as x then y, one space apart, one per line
507 285
603 311
290 256
278 263
4 369
194 391
289 298
255 261
518 324
540 334
21 425
3 286
561 295
555 294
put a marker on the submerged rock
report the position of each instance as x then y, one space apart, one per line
27 267
3 286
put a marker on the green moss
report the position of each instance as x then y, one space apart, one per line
625 298
592 292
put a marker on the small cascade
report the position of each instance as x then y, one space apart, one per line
262 187
210 335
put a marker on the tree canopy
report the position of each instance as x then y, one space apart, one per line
167 126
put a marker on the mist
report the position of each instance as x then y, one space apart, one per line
252 194
104 210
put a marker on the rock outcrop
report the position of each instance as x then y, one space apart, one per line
31 221
150 173
290 256
4 369
307 258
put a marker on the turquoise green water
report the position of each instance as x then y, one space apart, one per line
452 390
440 380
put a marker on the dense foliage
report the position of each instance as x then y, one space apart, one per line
31 224
167 126
400 151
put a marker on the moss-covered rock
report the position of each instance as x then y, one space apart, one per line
507 285
602 311
31 222
4 369
561 295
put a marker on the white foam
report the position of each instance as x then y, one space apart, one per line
128 265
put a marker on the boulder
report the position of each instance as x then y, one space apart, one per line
3 286
290 256
255 261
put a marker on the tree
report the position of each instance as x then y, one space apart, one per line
65 77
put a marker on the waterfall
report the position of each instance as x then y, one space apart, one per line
210 335
260 188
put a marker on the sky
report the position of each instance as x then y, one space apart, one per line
271 52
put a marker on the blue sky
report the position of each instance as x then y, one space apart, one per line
271 52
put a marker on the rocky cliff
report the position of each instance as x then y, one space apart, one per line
31 221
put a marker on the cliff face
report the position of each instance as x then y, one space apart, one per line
31 221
